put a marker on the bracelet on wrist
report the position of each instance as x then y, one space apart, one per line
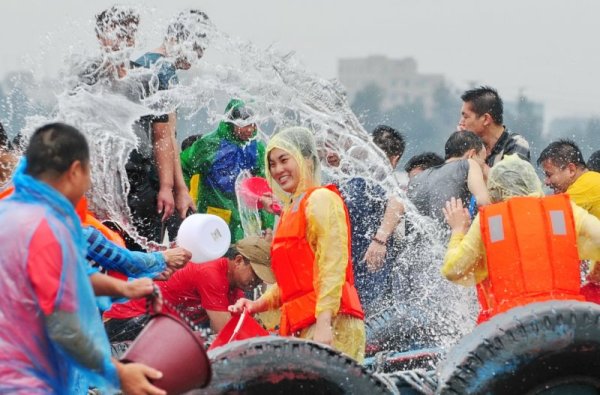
378 241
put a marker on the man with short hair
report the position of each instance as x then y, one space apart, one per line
157 184
202 291
482 113
461 176
566 172
593 162
373 218
421 162
45 286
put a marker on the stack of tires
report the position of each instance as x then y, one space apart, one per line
542 348
277 365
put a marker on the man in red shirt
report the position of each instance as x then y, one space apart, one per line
201 291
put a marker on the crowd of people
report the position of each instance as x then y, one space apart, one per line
325 261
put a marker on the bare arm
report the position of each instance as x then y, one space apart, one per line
163 154
476 184
375 254
218 319
183 200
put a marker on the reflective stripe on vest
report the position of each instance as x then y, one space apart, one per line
531 250
293 262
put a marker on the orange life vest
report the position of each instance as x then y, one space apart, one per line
293 263
531 250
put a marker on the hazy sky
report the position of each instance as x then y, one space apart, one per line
548 48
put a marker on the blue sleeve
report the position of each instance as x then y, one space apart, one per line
114 257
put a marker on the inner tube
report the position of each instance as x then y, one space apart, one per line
542 348
280 365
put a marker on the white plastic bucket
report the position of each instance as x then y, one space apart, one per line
206 236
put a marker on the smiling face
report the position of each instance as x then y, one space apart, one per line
284 169
558 178
244 133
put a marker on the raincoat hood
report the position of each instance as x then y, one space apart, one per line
235 107
300 144
513 176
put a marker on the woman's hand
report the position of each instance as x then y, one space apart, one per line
457 216
242 304
375 255
323 330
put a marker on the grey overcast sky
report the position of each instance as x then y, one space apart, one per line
548 48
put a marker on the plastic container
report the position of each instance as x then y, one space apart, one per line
206 236
169 345
591 292
251 189
239 327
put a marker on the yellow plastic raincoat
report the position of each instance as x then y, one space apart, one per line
327 235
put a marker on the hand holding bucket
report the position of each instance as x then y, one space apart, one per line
206 236
252 189
239 327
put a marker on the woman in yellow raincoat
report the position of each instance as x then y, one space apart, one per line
311 251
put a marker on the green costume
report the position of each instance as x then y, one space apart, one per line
218 158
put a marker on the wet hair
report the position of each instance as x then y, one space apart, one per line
232 252
181 30
189 141
459 143
593 162
389 140
485 100
124 17
3 138
423 161
561 153
53 148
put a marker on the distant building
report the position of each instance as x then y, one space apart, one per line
398 79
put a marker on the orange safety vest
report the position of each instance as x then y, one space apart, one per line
531 250
293 261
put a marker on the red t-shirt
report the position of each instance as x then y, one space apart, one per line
193 289
44 266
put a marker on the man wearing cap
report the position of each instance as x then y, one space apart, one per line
213 163
201 291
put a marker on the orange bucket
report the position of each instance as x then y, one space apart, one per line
239 327
170 346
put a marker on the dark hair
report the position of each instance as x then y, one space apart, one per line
179 29
3 137
189 141
561 153
485 100
423 161
459 143
232 252
127 19
594 162
389 140
53 148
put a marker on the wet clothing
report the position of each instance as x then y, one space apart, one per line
45 289
111 256
218 158
466 263
193 290
508 143
141 167
366 202
531 253
328 237
585 192
431 189
293 261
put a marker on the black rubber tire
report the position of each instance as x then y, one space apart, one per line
276 365
540 347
